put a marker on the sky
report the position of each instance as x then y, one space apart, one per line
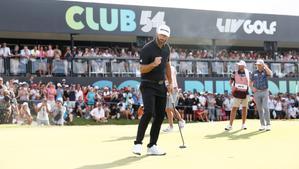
278 7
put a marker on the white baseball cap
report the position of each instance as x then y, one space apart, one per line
163 30
259 62
241 63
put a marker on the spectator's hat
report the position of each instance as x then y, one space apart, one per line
241 63
59 100
59 85
63 80
259 62
16 81
163 30
1 78
66 86
96 87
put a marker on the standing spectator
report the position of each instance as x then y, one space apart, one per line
16 51
5 50
50 56
219 106
59 92
181 105
34 52
43 111
6 54
25 53
190 107
211 106
271 105
278 108
91 98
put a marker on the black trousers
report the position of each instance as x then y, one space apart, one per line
154 107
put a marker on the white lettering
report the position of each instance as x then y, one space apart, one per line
258 27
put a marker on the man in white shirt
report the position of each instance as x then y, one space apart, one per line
43 111
5 51
173 98
98 113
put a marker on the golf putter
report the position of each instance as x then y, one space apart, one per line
174 109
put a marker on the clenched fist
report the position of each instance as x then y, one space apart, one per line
157 61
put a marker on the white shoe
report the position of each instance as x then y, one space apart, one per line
154 150
262 128
268 128
244 127
137 149
182 123
228 128
168 129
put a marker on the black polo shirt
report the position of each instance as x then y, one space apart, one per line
147 56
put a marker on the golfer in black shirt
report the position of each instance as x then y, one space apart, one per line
154 67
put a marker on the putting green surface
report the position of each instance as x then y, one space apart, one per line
109 146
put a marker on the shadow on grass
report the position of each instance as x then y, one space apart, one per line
116 163
124 138
233 136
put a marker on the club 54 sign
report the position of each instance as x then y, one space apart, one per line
125 20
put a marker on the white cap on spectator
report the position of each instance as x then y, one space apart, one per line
59 100
163 30
96 87
241 63
1 78
259 62
59 85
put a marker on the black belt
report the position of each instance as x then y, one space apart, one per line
160 82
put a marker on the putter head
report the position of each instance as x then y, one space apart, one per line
183 146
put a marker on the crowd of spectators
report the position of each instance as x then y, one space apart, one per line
49 51
58 104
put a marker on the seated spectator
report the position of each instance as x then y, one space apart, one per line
25 115
80 107
114 112
98 113
59 112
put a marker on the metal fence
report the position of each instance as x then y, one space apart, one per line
129 67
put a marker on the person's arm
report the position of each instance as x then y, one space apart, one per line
268 70
169 78
149 67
